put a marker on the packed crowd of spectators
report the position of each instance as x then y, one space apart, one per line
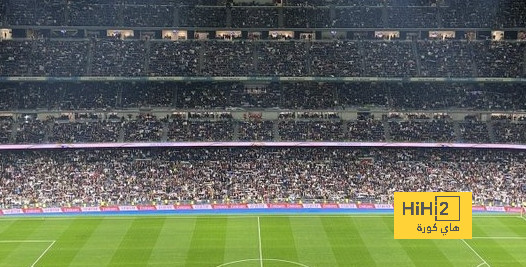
424 131
281 58
472 13
229 58
448 59
474 132
223 95
508 132
40 13
85 132
177 59
33 131
144 128
119 58
134 176
336 59
365 130
511 13
413 17
221 130
358 17
296 14
307 17
93 13
256 130
384 59
293 126
499 59
193 16
311 130
113 57
6 128
255 17
148 14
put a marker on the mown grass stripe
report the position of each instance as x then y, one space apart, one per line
71 241
499 252
378 238
21 230
99 249
277 240
312 242
4 225
207 247
242 239
10 253
14 254
173 243
416 248
346 243
136 246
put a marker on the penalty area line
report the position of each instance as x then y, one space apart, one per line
43 253
499 237
27 241
260 249
476 253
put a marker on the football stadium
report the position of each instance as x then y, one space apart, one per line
233 133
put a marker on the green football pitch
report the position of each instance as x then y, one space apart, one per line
250 240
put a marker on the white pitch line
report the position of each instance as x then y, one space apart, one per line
26 241
260 250
189 216
43 253
231 216
499 237
522 217
478 255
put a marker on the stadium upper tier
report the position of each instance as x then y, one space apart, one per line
293 14
367 58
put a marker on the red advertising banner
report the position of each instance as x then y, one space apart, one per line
128 208
238 206
202 207
184 207
312 206
478 208
294 206
498 209
109 208
52 210
384 206
89 209
257 206
277 206
231 206
71 209
348 206
32 210
165 207
146 207
366 206
13 211
513 209
330 206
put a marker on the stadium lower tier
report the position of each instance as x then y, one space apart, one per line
142 176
